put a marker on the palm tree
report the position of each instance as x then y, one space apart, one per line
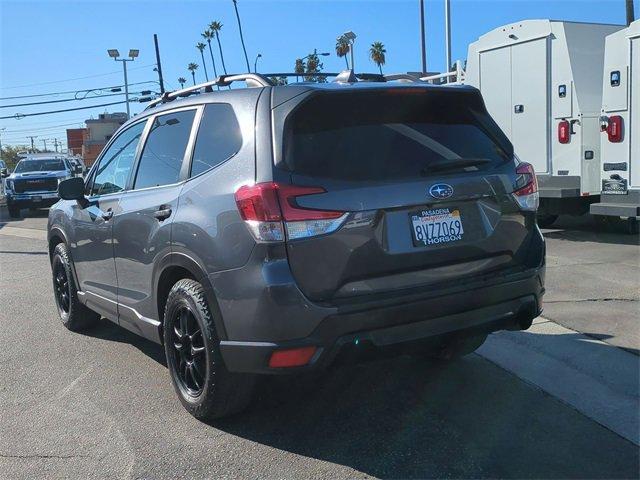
343 47
235 5
208 35
377 54
182 81
215 28
192 67
201 46
299 67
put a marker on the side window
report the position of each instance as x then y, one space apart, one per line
164 149
219 138
115 164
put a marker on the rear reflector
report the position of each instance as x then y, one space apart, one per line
614 129
564 131
526 188
269 208
293 357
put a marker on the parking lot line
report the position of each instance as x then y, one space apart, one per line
594 377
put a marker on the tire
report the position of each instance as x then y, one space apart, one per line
546 220
74 315
14 212
205 387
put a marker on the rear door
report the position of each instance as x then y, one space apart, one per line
529 110
426 176
634 134
142 226
495 85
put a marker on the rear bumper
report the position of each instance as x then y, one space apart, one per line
558 186
511 303
618 205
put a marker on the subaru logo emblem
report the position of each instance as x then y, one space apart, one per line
441 190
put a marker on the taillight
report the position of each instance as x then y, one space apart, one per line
270 208
564 131
526 188
614 129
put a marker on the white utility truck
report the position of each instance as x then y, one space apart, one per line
620 125
541 82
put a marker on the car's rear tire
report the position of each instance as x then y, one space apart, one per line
14 212
546 220
74 315
205 387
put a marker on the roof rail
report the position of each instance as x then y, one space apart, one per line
252 79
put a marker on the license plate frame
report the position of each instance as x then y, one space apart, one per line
437 226
36 198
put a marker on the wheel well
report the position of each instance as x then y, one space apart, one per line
53 242
168 279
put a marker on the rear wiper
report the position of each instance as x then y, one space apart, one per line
455 164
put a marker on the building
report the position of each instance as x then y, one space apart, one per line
95 136
75 139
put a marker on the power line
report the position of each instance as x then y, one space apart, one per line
72 79
9 132
73 91
22 115
60 100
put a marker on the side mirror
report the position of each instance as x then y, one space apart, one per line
4 173
77 169
71 189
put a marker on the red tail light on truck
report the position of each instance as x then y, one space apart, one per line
614 129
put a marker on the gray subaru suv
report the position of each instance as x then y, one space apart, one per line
280 229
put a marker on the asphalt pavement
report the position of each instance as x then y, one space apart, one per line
557 401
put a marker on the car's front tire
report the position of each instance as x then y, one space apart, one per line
205 387
14 211
74 315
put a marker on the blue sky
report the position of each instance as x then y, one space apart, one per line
56 46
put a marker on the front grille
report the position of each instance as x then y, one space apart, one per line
23 185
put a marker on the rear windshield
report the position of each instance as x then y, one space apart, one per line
391 135
44 165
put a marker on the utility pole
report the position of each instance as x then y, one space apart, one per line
160 80
447 32
32 137
630 14
44 142
55 144
422 39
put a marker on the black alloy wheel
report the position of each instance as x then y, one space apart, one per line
190 361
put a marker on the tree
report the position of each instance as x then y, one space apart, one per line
192 67
11 154
314 66
279 80
299 67
182 81
377 53
343 47
215 28
235 5
208 35
201 46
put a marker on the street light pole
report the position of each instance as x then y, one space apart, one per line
447 30
133 53
255 64
351 37
422 39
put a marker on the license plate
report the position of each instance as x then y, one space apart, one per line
615 187
36 199
433 227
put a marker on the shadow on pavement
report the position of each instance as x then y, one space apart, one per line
587 229
411 418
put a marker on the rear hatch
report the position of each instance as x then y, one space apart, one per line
424 177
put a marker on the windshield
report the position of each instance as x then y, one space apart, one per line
44 165
391 135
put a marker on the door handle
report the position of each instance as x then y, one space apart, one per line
162 213
106 216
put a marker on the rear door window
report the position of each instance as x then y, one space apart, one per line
164 149
219 138
390 135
